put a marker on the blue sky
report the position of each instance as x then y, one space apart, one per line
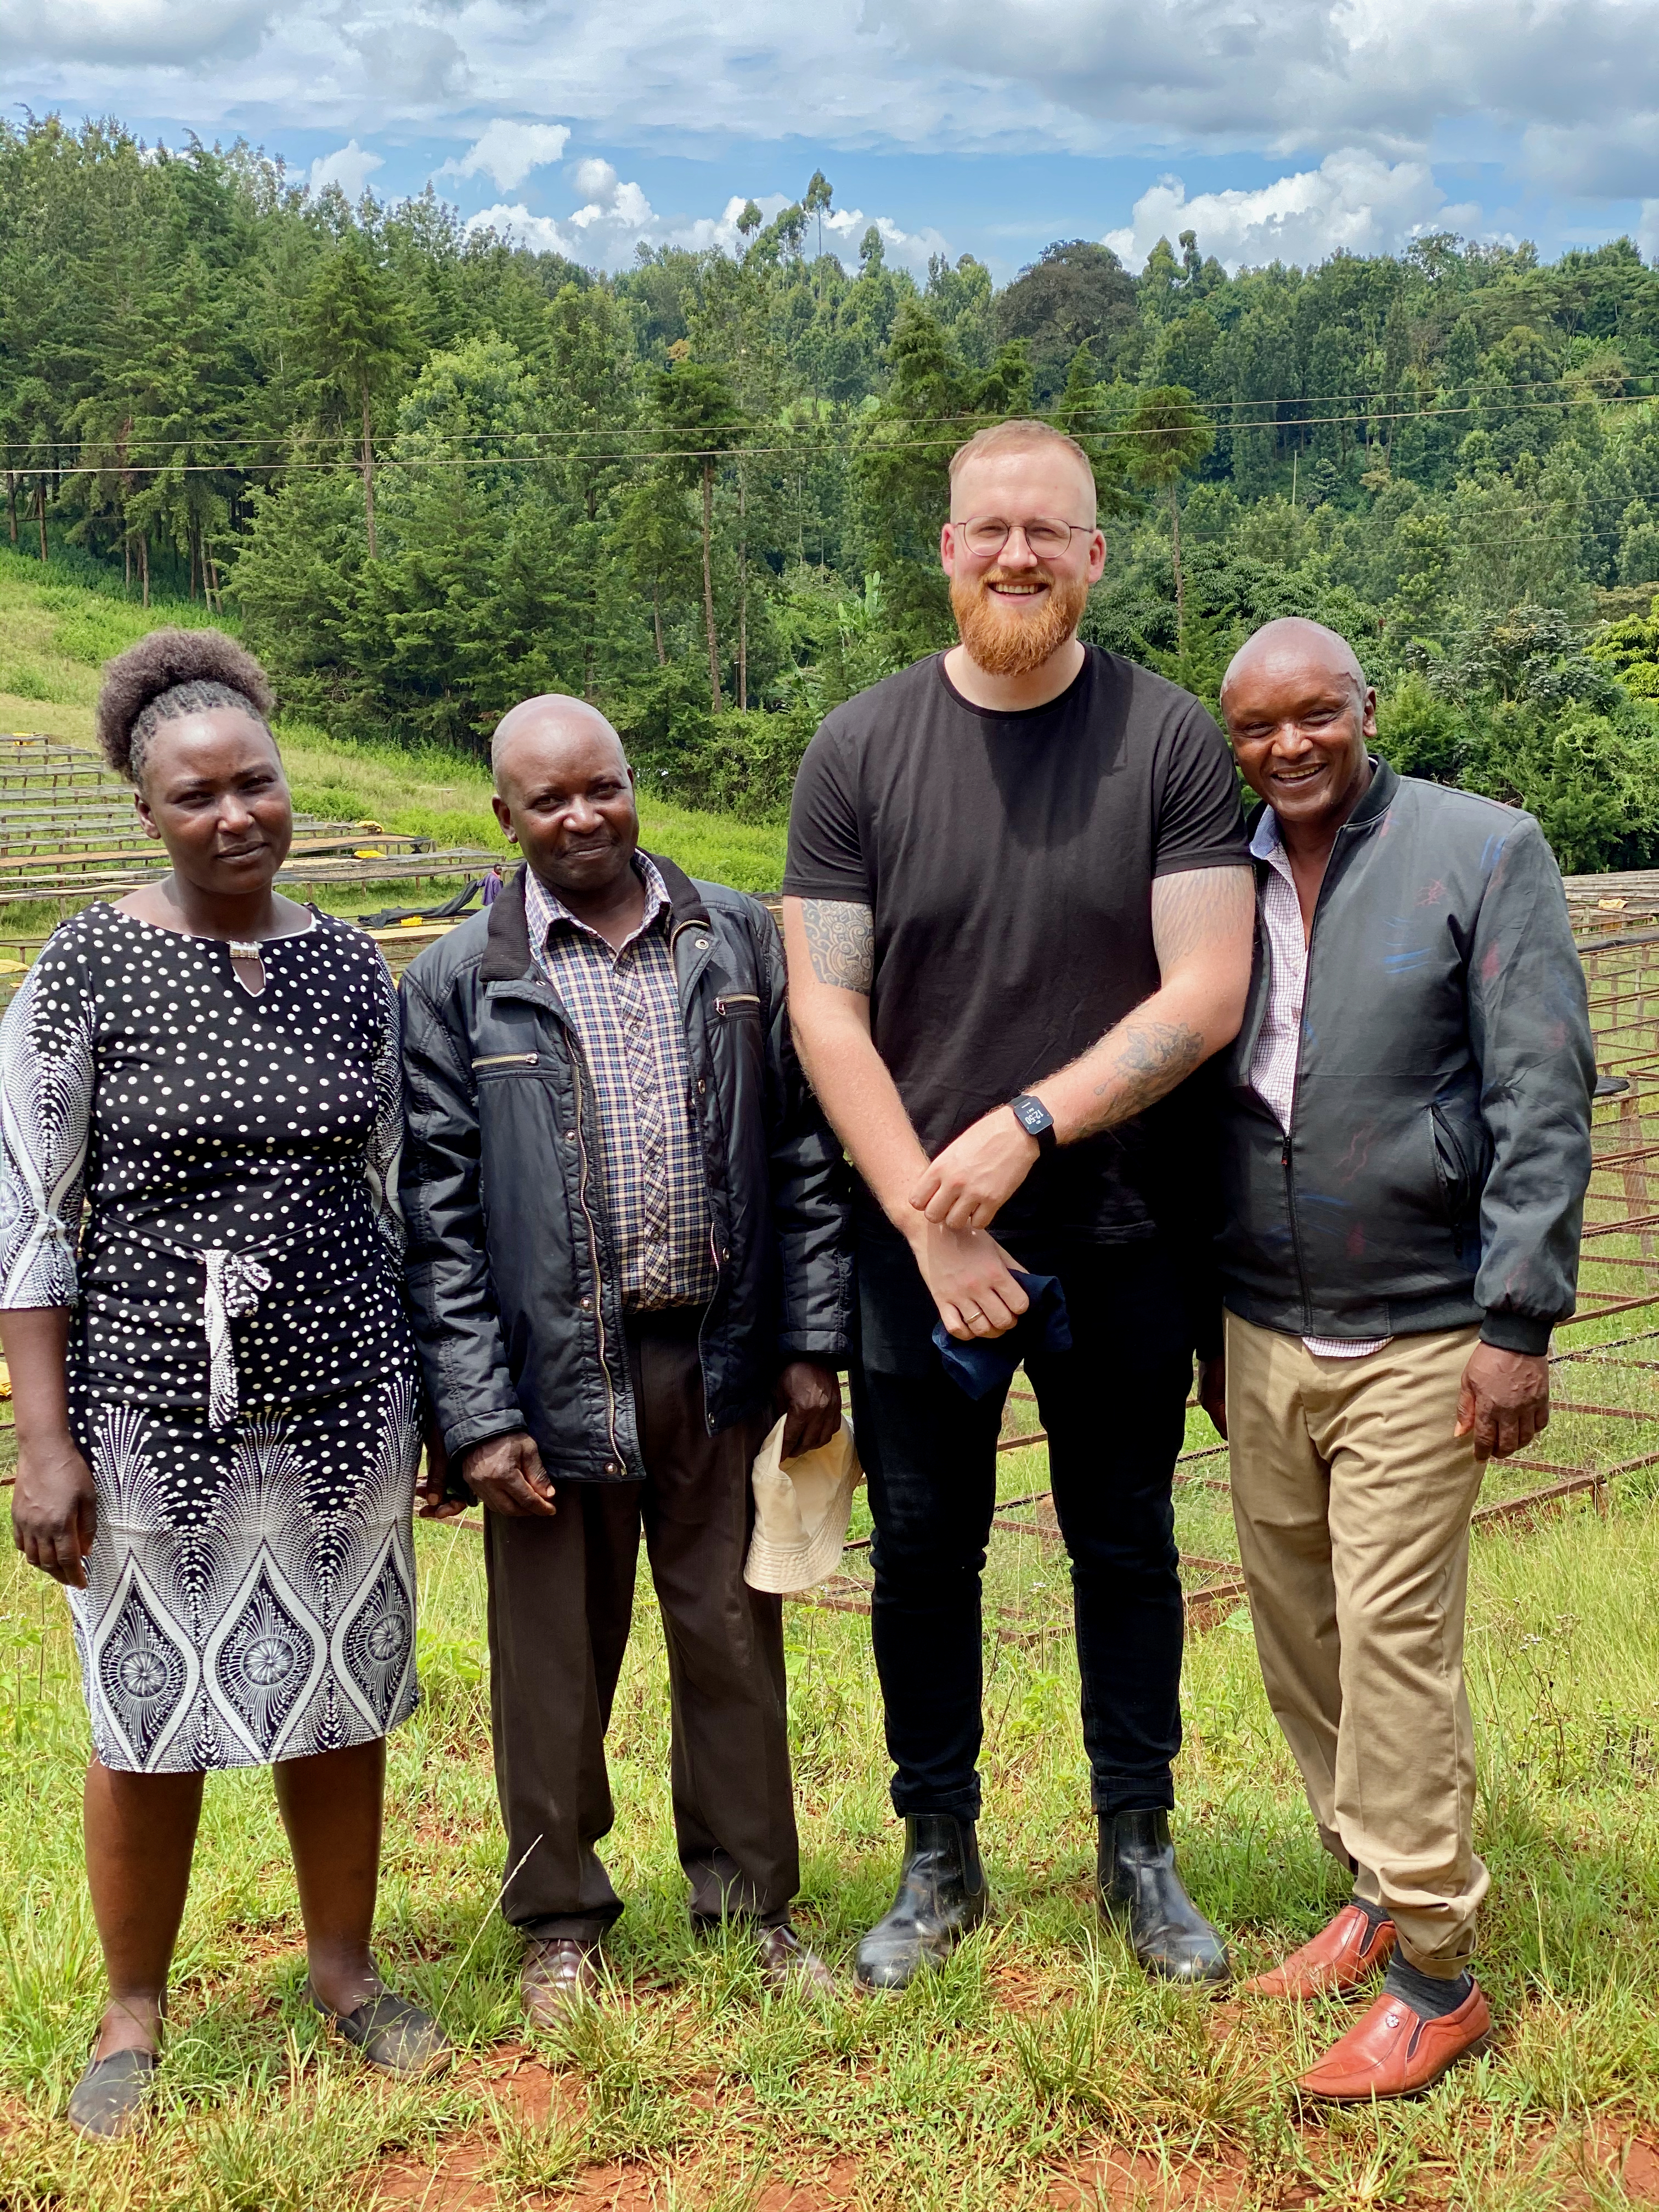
1289 127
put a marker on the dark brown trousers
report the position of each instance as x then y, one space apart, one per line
561 1600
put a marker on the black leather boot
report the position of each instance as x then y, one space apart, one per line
1139 1884
941 1895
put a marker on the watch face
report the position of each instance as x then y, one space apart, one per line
1034 1116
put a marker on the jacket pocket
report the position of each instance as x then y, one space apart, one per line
1458 1164
506 1059
734 1006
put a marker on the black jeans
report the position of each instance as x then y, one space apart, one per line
1113 1407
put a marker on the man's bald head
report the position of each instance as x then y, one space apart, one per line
547 725
564 794
1294 642
1301 716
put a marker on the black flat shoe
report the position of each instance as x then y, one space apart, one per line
392 2034
941 1895
109 2099
1140 1886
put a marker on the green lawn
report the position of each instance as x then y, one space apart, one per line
54 634
1037 2063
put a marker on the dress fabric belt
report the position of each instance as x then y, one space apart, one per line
234 1280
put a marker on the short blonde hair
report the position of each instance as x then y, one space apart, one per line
1020 436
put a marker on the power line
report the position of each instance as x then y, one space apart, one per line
1479 396
805 450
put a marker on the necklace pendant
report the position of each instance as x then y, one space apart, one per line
243 949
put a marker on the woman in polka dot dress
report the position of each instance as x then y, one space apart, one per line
217 1403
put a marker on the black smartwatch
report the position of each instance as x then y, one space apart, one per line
1034 1117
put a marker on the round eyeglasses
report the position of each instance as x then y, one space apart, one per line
1045 534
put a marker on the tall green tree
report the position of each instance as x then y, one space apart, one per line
359 334
1168 436
701 420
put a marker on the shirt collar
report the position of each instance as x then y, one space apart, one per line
1267 844
545 910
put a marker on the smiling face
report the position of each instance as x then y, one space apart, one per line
1014 609
1300 714
566 792
212 789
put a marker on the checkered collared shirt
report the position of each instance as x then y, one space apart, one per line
1273 1064
625 1009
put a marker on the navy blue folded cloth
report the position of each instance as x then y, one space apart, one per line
984 1364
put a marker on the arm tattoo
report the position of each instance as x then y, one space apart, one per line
841 941
1151 1058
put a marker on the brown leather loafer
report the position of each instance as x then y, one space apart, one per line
558 1974
1392 2052
1340 1957
787 1964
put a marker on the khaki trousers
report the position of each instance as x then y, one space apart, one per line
1352 1504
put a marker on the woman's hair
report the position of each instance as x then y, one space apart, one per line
167 674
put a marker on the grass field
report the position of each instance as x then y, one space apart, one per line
1038 2069
55 632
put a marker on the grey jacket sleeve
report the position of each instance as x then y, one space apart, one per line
1529 1028
811 1195
451 1306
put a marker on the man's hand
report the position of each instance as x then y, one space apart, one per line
508 1478
54 1508
1504 1401
1212 1392
809 1398
971 1278
977 1173
432 1499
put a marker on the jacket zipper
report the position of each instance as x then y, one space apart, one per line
507 1060
736 999
593 1255
1296 1086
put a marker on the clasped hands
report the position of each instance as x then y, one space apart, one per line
946 1222
507 1476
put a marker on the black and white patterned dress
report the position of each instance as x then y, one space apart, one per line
241 1379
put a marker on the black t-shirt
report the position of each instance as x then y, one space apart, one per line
1008 860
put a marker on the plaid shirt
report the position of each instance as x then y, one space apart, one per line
1273 1064
625 1009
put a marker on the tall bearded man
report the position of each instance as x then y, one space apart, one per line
1018 913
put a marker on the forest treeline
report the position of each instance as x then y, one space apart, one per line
427 471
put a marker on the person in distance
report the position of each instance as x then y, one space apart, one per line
217 1400
1018 911
1406 1149
627 1225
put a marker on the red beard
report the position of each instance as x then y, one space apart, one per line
1006 644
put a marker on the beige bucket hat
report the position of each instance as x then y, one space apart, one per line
802 1507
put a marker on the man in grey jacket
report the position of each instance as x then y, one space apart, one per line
1405 1154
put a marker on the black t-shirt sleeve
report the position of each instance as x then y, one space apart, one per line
1200 821
826 854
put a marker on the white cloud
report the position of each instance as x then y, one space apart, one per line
170 33
1570 87
615 217
508 151
847 227
1353 201
349 166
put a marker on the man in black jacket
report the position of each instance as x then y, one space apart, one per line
1407 1154
627 1248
